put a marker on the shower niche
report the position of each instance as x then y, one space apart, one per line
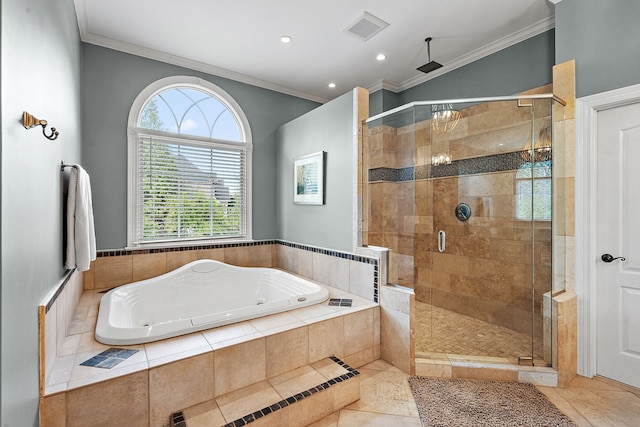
461 192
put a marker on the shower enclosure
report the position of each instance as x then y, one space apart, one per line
460 191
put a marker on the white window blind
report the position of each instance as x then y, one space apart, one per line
190 190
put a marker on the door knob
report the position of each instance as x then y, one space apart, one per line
610 258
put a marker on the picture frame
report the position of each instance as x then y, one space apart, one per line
308 179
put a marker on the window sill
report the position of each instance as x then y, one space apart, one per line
187 244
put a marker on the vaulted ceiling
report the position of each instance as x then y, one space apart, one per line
241 39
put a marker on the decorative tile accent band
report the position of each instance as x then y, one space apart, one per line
494 163
328 252
344 255
177 419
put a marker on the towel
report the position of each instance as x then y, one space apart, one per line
81 235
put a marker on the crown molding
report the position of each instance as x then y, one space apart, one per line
510 40
88 37
384 84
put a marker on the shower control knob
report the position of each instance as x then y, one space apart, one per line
610 258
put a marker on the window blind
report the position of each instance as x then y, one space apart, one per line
190 190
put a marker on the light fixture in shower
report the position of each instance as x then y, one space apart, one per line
541 148
444 118
441 159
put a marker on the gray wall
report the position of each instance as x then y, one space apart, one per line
111 82
520 67
328 128
604 39
40 73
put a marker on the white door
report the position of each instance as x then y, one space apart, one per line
618 235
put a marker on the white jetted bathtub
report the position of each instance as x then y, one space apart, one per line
200 295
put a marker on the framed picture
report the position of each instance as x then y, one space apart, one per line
308 179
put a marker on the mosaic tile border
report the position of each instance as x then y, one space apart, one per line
328 252
493 163
177 419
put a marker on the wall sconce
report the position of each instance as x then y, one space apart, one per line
29 121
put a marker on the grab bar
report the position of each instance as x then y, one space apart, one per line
442 241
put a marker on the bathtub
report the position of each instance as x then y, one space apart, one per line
201 295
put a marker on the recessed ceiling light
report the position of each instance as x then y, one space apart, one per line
381 57
285 39
332 85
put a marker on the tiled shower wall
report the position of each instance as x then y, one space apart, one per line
486 269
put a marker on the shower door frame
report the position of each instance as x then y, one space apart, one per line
517 98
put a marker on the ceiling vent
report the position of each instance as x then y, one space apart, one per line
367 26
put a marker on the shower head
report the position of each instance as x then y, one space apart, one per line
430 65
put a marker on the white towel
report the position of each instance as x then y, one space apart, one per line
81 235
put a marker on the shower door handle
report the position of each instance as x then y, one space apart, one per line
442 241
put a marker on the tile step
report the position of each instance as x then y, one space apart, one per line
296 398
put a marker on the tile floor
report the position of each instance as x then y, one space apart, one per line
386 401
444 331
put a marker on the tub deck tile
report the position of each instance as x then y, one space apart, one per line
67 373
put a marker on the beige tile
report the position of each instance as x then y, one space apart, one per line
305 263
276 323
53 411
339 273
113 271
477 371
287 350
86 375
361 279
280 418
179 385
349 418
555 396
329 369
386 392
326 339
287 258
602 407
296 381
128 403
321 268
312 408
433 368
328 421
224 336
170 350
176 259
360 358
314 313
249 399
395 333
346 392
60 372
358 331
215 254
88 277
206 414
239 365
146 266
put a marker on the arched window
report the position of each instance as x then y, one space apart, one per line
189 165
533 191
